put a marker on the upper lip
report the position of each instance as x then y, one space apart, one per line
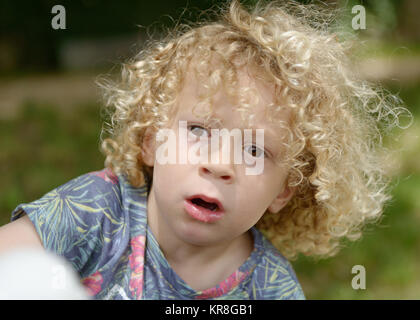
208 199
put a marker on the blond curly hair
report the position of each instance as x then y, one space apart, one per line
337 158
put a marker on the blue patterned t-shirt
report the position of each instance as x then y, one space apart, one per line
98 222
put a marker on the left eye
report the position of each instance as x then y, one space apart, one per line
255 151
198 130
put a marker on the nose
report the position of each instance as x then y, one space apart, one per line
219 167
218 171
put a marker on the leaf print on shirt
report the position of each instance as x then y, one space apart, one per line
71 217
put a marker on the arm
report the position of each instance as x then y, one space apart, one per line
19 233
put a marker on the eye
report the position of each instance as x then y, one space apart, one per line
198 131
255 151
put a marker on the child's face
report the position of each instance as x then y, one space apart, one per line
244 197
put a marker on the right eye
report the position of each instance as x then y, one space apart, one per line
198 131
255 151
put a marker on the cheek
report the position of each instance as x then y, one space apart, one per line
256 199
165 186
248 213
263 191
171 175
165 176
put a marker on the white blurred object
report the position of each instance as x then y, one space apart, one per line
35 274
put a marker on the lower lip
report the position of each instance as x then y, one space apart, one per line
202 214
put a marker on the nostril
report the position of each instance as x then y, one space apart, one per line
205 170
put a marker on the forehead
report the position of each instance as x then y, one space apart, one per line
226 109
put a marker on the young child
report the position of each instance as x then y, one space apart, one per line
143 229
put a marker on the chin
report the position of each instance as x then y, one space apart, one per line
197 233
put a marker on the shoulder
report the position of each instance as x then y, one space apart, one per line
87 193
95 183
275 275
77 219
101 185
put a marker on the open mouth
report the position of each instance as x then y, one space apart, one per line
204 208
202 203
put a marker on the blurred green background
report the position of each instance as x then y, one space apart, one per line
50 119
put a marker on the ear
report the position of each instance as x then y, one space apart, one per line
282 199
148 147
